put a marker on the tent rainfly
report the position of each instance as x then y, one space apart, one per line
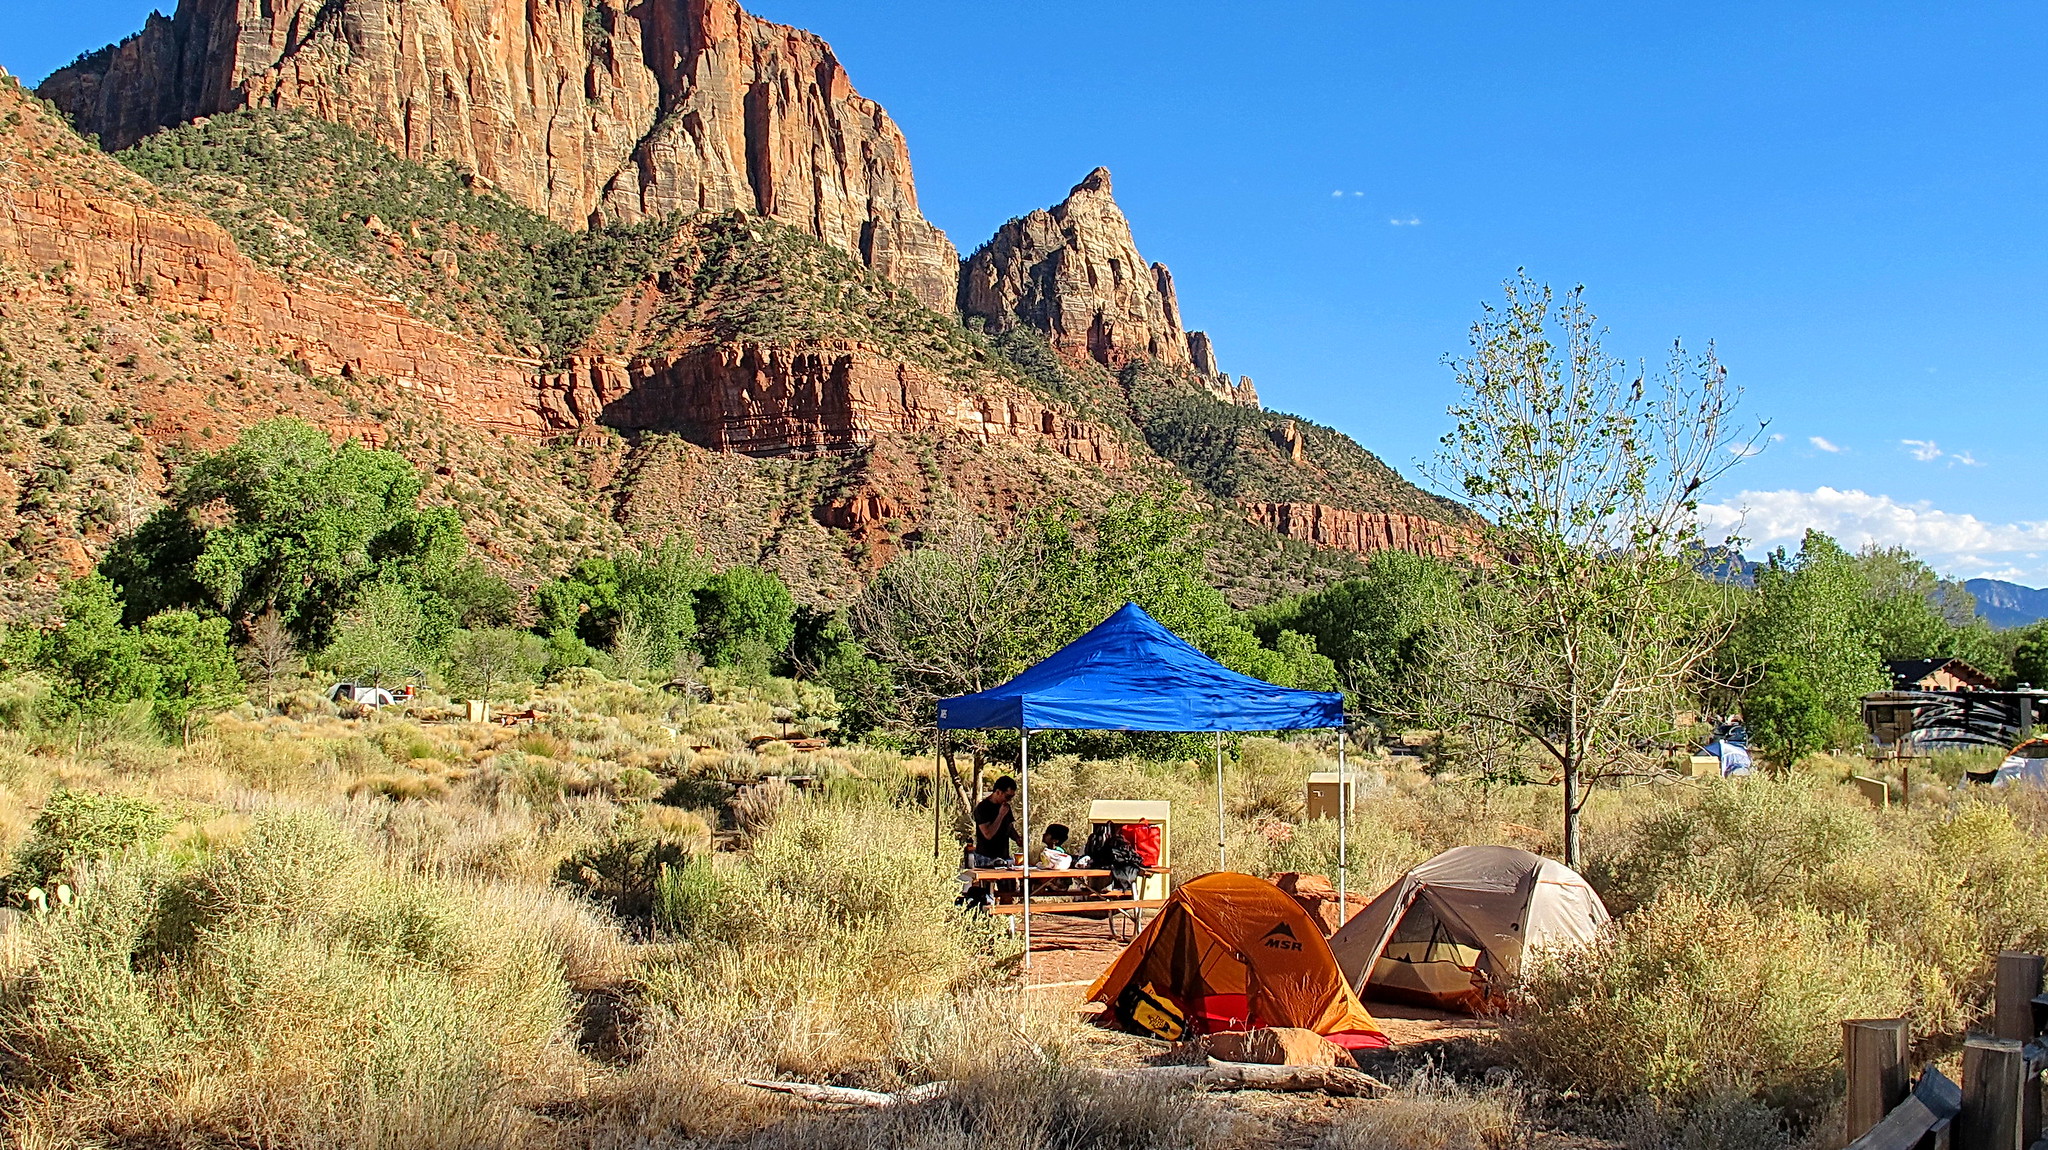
1233 952
1449 930
1130 673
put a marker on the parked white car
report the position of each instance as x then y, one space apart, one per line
359 693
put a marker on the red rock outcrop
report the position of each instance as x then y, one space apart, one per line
1074 273
576 108
775 400
1365 532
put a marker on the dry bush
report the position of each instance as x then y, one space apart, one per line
1022 1106
805 957
1432 1111
288 990
1947 888
1686 998
1722 1121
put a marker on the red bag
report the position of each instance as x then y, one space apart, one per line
1145 840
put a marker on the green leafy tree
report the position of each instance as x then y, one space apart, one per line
1811 617
177 662
651 594
1376 629
1787 717
191 667
378 640
1911 612
2030 656
481 662
285 519
1588 622
745 612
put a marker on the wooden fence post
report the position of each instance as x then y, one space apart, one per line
2018 984
1874 1054
1994 1082
2019 980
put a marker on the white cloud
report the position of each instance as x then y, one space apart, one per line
1745 450
1823 444
1923 450
1964 458
1954 542
1410 222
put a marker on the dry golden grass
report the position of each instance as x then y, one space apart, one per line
352 936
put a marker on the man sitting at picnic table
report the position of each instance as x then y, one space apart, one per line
994 826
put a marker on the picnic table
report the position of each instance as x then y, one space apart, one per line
1083 901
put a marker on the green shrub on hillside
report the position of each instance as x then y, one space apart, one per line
303 195
76 826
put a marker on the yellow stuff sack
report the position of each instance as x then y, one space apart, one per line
1146 1009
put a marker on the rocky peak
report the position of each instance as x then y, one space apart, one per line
576 108
1074 273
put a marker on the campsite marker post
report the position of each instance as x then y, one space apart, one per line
1219 800
1024 843
1343 818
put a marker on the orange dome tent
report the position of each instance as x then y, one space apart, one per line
1232 952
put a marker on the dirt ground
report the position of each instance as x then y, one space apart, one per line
1069 952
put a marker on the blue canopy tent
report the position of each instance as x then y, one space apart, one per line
1132 674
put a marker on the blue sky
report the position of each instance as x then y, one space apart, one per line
1847 198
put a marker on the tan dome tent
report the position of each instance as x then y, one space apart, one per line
1456 926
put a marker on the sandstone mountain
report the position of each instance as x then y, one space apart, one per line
1073 272
357 212
578 109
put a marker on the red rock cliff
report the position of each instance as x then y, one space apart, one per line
575 108
1365 532
772 400
1074 273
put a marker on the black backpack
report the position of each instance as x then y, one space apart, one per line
1108 848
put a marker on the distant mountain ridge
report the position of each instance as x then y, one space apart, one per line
2004 604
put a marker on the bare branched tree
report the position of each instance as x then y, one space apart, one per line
270 654
950 617
1589 619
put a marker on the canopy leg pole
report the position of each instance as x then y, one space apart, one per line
938 757
1343 826
1024 773
1219 801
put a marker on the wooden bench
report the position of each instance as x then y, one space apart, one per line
1043 905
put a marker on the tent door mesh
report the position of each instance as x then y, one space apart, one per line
1426 961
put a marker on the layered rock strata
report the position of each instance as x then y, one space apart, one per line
102 235
1364 532
766 400
576 108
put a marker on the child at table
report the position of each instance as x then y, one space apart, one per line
1055 856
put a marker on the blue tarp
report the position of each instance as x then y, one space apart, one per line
1132 674
1734 757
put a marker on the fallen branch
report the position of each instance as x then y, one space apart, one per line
1341 1081
851 1095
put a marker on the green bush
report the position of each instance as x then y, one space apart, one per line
624 871
78 825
